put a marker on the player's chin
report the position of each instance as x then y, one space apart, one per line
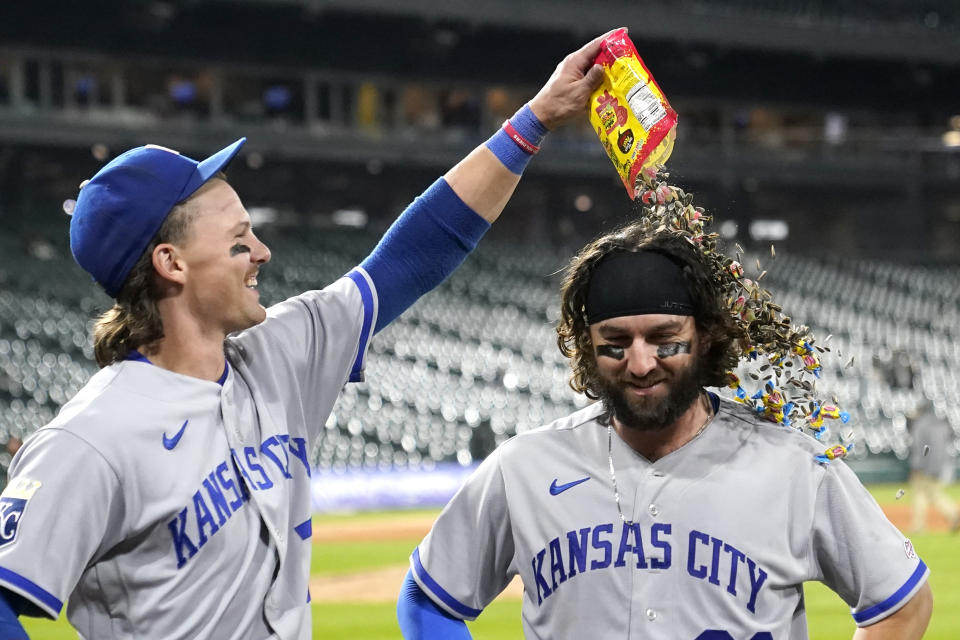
254 316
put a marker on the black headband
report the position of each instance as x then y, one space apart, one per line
632 283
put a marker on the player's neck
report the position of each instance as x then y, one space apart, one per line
654 445
188 349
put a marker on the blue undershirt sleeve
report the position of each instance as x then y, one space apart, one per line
421 619
430 239
10 627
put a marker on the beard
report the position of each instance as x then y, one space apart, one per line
651 413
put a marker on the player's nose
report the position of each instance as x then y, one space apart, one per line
641 359
260 252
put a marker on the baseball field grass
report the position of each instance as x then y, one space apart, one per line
359 561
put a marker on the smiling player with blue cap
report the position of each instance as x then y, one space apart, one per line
170 498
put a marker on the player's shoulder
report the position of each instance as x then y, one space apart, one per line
579 425
90 400
123 397
81 417
570 423
354 288
775 437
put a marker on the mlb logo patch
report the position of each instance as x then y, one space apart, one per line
908 549
11 509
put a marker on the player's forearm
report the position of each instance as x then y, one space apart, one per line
485 179
483 183
908 623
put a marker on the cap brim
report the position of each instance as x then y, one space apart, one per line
209 167
218 161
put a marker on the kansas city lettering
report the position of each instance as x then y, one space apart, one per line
708 558
227 488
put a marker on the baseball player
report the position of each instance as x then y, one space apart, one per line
170 498
662 511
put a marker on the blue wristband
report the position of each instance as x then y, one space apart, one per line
509 152
528 125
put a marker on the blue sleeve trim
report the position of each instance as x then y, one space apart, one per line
421 619
356 374
304 529
896 598
38 595
437 590
421 249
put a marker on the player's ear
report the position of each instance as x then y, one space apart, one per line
169 264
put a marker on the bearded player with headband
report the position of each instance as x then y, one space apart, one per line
171 497
662 511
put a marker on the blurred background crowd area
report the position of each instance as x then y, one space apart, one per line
828 129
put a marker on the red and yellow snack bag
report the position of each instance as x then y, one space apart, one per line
629 112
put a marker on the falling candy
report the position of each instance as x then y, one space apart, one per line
766 332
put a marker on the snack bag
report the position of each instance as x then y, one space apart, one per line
629 112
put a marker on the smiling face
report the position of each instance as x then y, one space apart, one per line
221 258
648 368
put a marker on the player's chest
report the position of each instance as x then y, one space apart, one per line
210 465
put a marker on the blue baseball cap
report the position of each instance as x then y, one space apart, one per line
120 210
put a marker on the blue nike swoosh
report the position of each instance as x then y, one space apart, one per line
556 489
170 443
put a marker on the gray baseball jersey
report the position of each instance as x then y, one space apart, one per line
167 506
724 532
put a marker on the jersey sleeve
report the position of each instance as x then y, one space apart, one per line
465 561
858 552
61 510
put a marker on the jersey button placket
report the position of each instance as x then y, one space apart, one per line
651 614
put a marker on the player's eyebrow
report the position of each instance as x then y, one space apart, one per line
613 330
669 325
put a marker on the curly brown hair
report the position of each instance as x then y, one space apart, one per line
715 326
134 319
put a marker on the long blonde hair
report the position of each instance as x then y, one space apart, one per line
134 320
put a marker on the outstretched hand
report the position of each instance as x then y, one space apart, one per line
566 93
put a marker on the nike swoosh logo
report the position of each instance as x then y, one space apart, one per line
170 443
556 489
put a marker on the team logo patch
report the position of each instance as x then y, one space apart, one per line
12 503
908 549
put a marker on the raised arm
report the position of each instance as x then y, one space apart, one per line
908 623
482 180
437 231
